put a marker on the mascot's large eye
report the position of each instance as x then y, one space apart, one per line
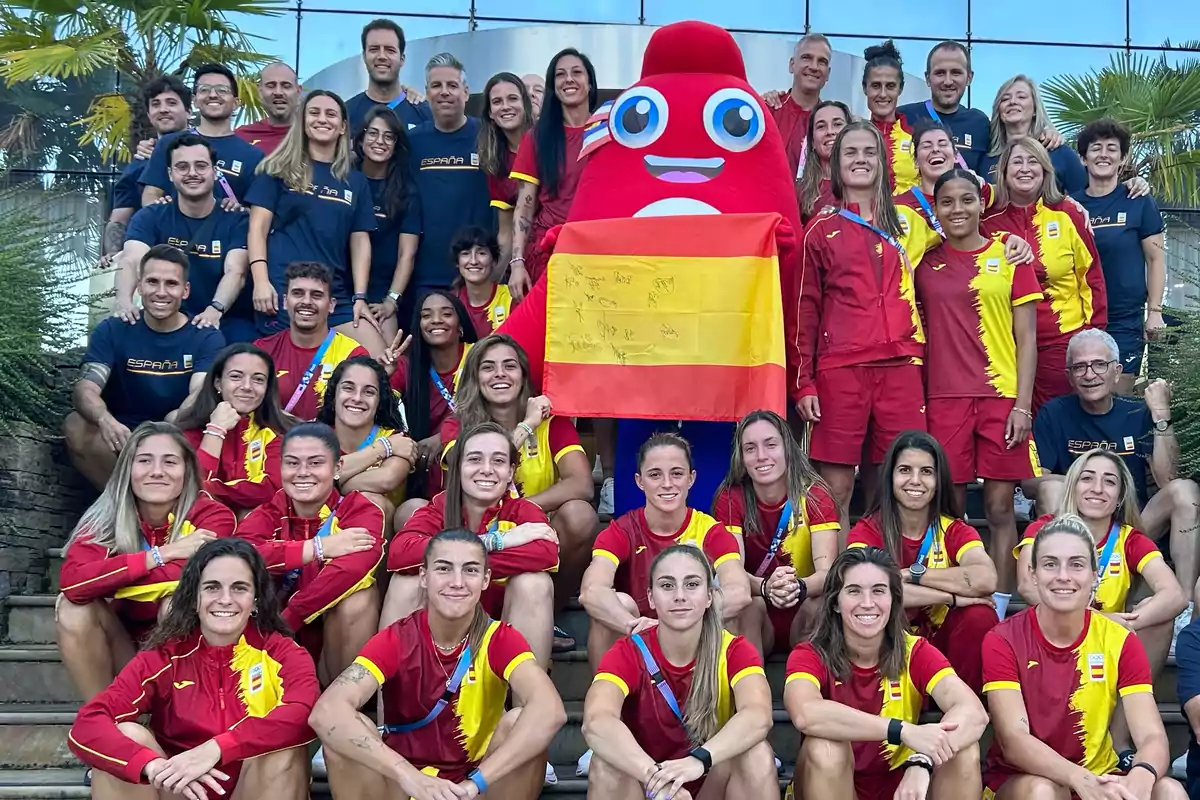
734 120
638 117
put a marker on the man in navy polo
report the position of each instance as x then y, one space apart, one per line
383 55
139 372
948 74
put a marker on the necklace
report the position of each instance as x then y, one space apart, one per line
450 649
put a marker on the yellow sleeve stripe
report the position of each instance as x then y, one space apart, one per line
516 662
995 686
726 557
1029 298
736 530
1137 688
1146 559
1021 545
571 448
968 546
828 526
96 752
500 204
370 667
610 556
856 545
614 680
936 679
795 676
521 176
755 670
93 580
366 582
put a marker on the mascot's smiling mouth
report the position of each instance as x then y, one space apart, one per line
684 170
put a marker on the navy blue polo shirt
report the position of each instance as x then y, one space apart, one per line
413 115
970 126
236 158
454 193
150 370
1187 664
1063 431
385 239
1120 224
1069 172
165 223
127 191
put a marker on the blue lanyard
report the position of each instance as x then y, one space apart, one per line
928 209
370 440
887 237
656 676
932 112
926 544
396 103
312 370
222 181
785 519
1106 554
441 387
452 684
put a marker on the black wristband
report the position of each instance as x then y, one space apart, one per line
803 592
893 735
703 756
1146 767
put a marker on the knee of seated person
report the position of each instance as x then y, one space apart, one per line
407 509
1184 493
999 508
274 765
362 603
577 519
140 734
1039 788
1169 789
530 588
76 617
966 759
824 755
75 428
758 761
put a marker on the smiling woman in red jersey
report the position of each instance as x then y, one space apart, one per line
476 252
788 523
508 117
522 546
980 312
813 188
856 690
445 672
882 83
857 317
323 547
236 426
125 556
682 709
1101 493
809 67
1030 205
1054 675
948 576
226 690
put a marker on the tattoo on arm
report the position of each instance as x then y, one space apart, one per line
353 674
114 237
1024 724
967 578
98 374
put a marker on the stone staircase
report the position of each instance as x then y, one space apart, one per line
38 704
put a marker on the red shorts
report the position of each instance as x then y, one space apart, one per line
971 431
960 639
1050 380
886 399
781 623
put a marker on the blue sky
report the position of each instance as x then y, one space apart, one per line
328 32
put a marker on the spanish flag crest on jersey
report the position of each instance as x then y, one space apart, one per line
666 318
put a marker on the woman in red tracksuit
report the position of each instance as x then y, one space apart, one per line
227 691
236 426
882 83
324 548
127 552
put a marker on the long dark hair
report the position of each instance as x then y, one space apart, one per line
269 414
829 636
182 620
453 513
397 181
481 621
387 415
416 394
886 216
887 509
882 55
495 158
549 135
472 407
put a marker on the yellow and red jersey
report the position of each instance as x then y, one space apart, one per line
251 698
246 474
857 302
1070 692
412 671
952 539
1067 266
898 146
538 470
291 362
279 534
631 546
439 409
1131 553
818 512
92 572
406 552
967 300
914 199
869 691
645 711
487 317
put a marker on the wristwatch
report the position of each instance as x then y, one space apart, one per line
218 305
394 297
1162 425
354 298
703 756
915 573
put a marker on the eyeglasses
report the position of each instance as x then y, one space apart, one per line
1099 367
373 135
210 88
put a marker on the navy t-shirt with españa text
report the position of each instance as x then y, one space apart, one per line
236 159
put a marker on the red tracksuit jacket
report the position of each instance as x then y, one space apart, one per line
279 536
247 473
253 697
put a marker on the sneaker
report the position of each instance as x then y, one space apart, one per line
318 762
597 471
778 766
584 766
551 776
1182 621
1022 505
1179 768
563 641
606 498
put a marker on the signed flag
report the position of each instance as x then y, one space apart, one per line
666 318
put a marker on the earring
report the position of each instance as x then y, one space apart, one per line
254 611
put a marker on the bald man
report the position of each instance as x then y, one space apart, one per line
536 86
279 91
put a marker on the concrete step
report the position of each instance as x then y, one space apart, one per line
34 674
31 618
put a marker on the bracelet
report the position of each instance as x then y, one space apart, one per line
387 447
953 600
512 261
319 549
766 596
258 261
525 427
1024 411
922 763
476 778
497 542
156 554
1155 310
1146 767
212 429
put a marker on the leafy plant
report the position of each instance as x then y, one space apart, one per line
51 44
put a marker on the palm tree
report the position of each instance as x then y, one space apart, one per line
56 45
1160 103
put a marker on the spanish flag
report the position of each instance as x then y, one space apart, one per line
666 318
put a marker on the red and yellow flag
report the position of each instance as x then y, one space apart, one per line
666 318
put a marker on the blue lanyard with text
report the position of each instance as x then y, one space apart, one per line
1107 553
926 544
370 440
933 115
785 519
441 387
887 237
221 179
923 201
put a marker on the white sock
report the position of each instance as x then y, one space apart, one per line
1001 599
